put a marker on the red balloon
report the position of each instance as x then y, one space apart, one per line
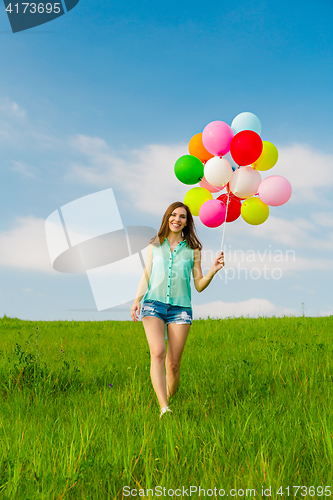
234 206
246 147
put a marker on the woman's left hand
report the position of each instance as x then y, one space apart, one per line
218 262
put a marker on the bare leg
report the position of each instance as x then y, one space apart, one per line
177 336
155 333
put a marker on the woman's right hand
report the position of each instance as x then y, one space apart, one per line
135 310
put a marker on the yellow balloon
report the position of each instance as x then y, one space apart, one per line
254 211
268 157
195 198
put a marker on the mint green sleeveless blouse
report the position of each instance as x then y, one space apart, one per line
171 273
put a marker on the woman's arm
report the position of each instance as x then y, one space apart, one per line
201 282
143 285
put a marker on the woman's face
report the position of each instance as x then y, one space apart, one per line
178 220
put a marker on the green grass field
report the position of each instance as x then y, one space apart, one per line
79 418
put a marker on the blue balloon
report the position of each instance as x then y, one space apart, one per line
246 121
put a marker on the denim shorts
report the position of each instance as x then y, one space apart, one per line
166 312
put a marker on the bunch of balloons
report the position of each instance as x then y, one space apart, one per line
247 195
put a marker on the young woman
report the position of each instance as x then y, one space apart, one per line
172 255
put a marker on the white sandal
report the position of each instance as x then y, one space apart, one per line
164 410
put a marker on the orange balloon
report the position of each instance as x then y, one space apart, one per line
196 148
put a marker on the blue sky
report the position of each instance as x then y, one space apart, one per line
108 96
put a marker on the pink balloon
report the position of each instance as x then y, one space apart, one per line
212 213
216 137
274 190
212 189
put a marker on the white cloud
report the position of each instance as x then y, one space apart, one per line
303 288
307 170
324 219
325 313
146 175
252 308
288 232
295 232
11 109
24 169
25 246
19 133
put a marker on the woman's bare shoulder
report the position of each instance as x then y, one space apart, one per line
197 253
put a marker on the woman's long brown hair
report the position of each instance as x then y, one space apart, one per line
189 230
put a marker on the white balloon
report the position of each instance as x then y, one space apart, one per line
217 171
245 182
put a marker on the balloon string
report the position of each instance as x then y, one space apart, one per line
225 222
226 214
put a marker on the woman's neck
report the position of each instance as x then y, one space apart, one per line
175 238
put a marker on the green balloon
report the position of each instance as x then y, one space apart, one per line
189 169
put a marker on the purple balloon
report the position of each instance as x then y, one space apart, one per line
275 190
216 137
